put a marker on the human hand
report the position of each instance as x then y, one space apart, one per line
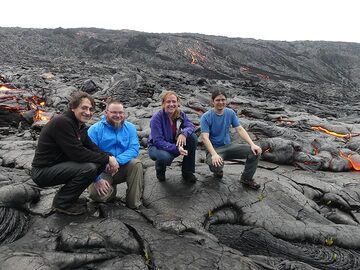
111 170
256 149
182 151
102 187
113 166
181 140
217 160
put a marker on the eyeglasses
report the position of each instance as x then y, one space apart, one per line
115 113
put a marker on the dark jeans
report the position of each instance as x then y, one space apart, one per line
163 158
236 151
75 176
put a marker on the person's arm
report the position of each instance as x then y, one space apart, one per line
113 165
245 136
186 129
158 136
216 160
134 146
67 138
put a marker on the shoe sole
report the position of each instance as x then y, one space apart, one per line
63 211
250 186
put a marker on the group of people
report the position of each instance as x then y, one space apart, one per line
106 154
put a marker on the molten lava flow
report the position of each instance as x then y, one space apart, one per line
355 162
263 76
18 100
267 150
284 121
40 115
315 149
6 87
3 87
339 135
195 55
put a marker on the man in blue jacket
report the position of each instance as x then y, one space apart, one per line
116 136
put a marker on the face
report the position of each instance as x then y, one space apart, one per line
219 103
170 104
115 114
84 111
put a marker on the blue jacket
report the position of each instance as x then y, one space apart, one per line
122 143
161 134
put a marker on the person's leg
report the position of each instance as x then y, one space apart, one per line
162 159
94 195
217 170
188 164
75 177
242 151
133 173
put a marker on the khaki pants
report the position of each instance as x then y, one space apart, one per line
132 173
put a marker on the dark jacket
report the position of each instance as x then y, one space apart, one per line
161 134
64 139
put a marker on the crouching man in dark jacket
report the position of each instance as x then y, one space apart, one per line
66 155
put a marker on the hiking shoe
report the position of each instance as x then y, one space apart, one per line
160 176
250 184
219 175
74 210
189 177
82 201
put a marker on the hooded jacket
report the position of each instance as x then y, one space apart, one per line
161 133
122 143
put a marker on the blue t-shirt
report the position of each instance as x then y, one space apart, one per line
218 126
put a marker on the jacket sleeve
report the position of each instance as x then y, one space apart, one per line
74 144
133 149
187 128
158 136
93 134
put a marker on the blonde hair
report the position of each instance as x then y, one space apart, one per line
168 93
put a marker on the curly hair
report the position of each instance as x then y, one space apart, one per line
77 97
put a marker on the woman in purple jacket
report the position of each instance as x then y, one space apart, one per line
172 134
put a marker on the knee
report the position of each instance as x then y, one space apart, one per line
90 168
253 157
192 140
136 164
164 158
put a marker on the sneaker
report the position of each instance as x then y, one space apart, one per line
219 175
74 210
189 177
160 176
250 184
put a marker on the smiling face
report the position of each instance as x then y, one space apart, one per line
170 104
219 103
115 114
84 111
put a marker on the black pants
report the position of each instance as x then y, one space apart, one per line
75 176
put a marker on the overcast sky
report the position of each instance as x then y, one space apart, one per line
331 20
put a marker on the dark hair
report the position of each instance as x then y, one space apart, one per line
217 92
112 101
77 97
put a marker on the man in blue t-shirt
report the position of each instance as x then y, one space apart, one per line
215 131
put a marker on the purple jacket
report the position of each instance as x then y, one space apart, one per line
160 131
